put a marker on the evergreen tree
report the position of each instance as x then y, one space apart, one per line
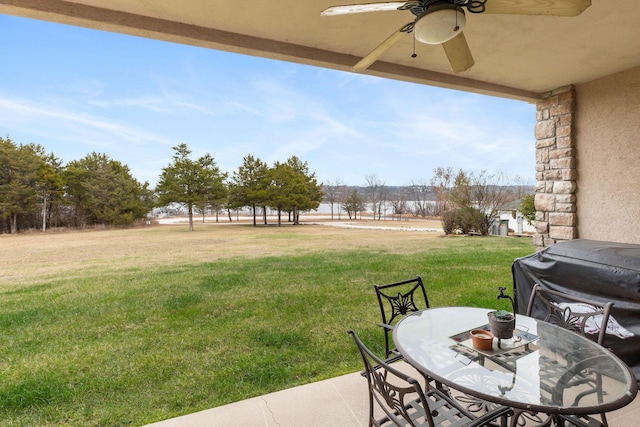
49 185
248 186
19 166
280 194
306 193
191 183
102 191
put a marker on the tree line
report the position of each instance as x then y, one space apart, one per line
465 201
287 187
418 199
38 192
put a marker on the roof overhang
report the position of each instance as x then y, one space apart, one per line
518 57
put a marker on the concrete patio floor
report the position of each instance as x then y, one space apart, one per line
340 401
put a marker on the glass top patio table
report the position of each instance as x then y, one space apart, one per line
541 370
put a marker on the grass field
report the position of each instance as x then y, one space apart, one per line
127 327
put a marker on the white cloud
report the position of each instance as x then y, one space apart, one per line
153 103
74 126
242 107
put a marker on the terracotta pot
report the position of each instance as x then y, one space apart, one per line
481 339
501 328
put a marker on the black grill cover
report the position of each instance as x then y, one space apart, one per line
600 271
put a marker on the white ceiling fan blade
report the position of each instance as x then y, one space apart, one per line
537 7
361 8
458 53
376 53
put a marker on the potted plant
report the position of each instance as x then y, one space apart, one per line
501 323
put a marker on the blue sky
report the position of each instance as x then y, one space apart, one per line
77 91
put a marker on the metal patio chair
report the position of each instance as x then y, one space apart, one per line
400 399
396 300
569 312
576 314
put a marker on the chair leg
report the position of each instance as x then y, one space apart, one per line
605 423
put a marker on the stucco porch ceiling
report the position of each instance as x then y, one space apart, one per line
517 57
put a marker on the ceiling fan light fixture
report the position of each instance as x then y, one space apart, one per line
440 25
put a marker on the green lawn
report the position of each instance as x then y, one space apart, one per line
122 344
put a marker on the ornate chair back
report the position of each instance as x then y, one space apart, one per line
570 312
396 300
576 314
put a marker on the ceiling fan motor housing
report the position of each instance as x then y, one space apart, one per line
439 22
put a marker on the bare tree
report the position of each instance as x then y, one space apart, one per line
383 199
472 201
333 194
353 204
375 193
441 183
399 205
421 195
342 196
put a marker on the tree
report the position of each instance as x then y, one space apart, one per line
292 188
332 194
421 194
306 193
441 183
528 208
279 197
19 166
471 201
383 201
376 194
353 204
190 182
103 191
343 194
75 175
49 184
399 205
468 217
248 186
216 197
490 193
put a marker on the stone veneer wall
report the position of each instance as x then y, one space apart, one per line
555 199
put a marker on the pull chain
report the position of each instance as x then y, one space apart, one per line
414 54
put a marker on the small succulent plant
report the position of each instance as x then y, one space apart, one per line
503 314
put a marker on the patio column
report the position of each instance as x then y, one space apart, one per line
556 174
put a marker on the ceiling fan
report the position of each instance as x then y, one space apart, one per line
442 22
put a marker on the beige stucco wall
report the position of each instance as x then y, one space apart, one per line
608 158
